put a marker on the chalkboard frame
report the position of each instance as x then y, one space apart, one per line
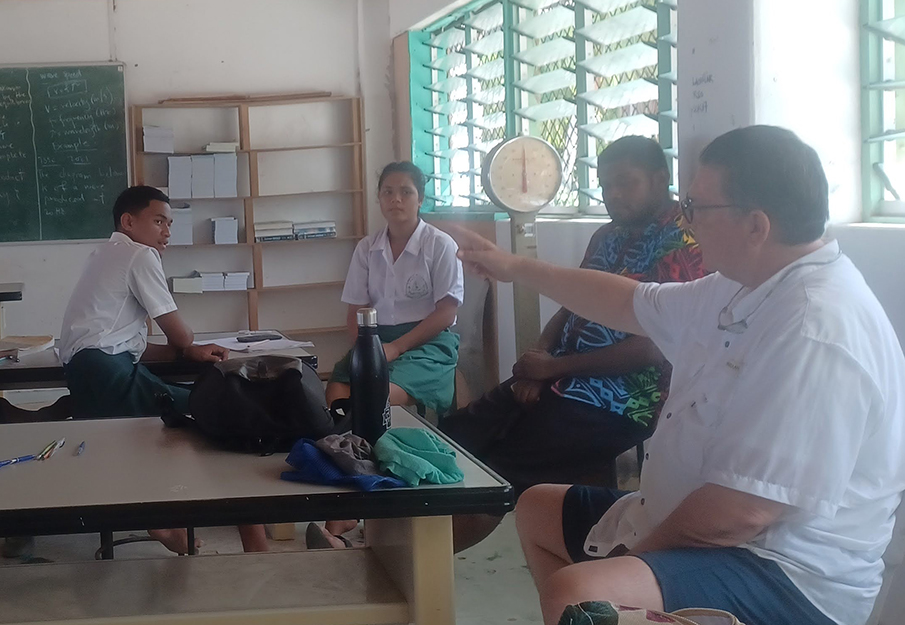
82 189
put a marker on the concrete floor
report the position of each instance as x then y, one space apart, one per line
493 585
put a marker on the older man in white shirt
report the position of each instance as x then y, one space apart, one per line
772 480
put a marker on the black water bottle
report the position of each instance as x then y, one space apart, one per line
369 378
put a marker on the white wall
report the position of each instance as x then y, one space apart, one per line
411 14
715 68
175 47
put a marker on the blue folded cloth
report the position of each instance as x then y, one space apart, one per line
315 467
417 455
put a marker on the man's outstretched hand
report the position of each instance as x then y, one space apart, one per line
205 353
482 257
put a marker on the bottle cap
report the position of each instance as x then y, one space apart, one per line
367 317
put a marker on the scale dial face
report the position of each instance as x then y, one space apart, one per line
522 174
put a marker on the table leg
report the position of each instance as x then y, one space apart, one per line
190 537
418 555
106 545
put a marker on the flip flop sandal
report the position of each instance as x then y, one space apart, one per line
315 539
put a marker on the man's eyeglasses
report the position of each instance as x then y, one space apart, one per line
689 207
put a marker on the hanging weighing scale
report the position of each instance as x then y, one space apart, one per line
522 175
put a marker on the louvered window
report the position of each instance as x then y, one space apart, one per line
883 109
579 73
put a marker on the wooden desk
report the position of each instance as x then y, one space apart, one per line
136 474
44 369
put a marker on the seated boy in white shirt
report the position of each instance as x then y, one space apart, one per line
104 335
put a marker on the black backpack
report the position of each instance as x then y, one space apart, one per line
262 404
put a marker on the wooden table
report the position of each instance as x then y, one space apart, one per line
136 474
44 369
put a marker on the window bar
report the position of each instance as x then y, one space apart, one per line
581 106
871 106
510 18
664 66
469 82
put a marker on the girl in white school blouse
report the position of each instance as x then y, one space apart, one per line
409 272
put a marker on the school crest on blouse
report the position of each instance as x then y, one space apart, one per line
417 287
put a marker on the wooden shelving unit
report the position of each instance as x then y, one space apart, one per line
256 153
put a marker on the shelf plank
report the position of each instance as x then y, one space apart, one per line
208 245
327 192
245 291
234 104
321 240
298 287
291 148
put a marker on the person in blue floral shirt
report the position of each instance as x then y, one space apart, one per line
586 393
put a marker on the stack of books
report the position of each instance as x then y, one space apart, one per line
225 230
189 284
213 281
274 231
158 139
203 176
236 281
315 230
222 146
181 230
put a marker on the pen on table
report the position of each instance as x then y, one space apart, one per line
4 463
80 449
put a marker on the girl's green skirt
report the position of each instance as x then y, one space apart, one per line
427 373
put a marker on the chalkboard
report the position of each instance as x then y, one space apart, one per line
62 151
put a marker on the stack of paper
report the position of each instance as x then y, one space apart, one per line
181 230
180 178
158 139
222 146
212 281
226 230
203 176
315 230
192 283
236 281
274 231
226 167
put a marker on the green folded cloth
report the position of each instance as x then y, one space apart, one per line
590 613
416 455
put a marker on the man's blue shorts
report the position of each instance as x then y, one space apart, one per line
732 579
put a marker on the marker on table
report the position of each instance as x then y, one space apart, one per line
53 449
80 449
43 453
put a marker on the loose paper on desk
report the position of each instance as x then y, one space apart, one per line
232 343
18 346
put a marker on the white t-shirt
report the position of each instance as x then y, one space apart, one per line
121 286
804 407
407 290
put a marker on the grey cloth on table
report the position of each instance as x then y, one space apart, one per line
350 453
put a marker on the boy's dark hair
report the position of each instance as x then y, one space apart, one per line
134 199
636 151
771 169
405 167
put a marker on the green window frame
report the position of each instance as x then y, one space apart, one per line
578 73
883 110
